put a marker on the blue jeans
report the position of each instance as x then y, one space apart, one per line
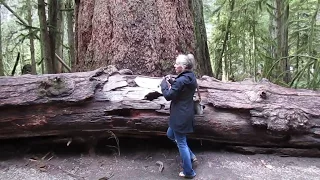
185 153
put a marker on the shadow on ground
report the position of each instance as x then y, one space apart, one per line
48 159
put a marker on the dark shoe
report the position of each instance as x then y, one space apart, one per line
194 162
181 174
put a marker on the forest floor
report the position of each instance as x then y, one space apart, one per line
25 160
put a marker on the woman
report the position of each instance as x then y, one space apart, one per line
180 91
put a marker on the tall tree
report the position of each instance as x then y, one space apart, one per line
201 48
52 17
223 57
141 35
70 24
44 36
31 37
1 61
282 15
59 35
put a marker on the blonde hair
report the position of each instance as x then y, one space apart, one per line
187 61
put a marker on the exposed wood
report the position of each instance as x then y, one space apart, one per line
104 100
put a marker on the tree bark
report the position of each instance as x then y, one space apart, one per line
45 40
52 16
238 113
70 23
59 35
282 15
31 38
201 45
223 57
142 35
1 63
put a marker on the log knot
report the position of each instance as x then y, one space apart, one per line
59 86
281 119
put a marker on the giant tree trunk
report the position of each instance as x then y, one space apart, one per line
144 36
104 100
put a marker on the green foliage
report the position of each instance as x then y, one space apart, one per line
252 44
15 37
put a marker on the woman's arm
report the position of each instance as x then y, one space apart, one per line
171 93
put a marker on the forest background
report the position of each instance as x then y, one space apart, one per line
273 39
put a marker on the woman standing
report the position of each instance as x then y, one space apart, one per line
180 91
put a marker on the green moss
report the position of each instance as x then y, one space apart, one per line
55 87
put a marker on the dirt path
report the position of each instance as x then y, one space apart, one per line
138 163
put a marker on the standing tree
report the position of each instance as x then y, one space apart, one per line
70 22
31 37
59 35
52 17
1 63
144 36
282 14
44 36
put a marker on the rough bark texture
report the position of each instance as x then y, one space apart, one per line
282 15
31 38
104 100
59 36
70 23
201 48
45 40
144 36
53 20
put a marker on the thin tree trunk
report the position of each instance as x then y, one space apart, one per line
1 61
226 37
285 46
278 12
70 22
52 16
59 35
297 45
254 51
218 64
282 15
244 65
45 40
268 72
31 37
250 62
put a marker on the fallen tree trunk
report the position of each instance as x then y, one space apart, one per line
97 102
